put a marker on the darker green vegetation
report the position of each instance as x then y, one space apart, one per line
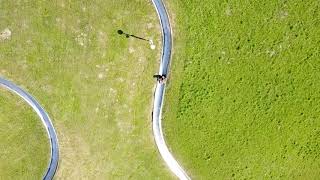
249 103
24 146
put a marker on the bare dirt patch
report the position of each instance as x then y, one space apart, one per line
5 34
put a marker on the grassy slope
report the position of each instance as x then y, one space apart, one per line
248 93
69 56
24 147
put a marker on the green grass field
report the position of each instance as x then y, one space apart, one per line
96 86
24 147
244 95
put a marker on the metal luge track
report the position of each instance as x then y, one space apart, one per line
160 91
46 121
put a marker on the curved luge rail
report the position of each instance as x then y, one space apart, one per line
53 164
160 90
